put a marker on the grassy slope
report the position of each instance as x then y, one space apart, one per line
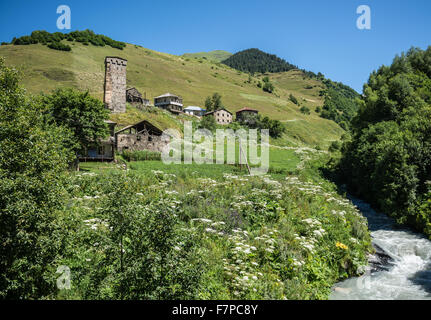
215 55
155 73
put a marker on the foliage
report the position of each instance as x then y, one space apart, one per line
255 121
267 85
335 146
388 159
32 160
141 155
305 110
145 253
340 103
79 112
254 60
293 99
275 127
53 40
213 103
224 237
59 46
208 122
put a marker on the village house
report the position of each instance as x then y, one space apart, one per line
245 114
169 102
196 111
102 150
140 136
134 97
222 116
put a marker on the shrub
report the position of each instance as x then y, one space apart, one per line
335 146
140 155
305 110
59 46
208 122
293 99
267 85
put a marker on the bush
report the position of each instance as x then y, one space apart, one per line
140 155
59 46
267 85
208 122
293 99
335 146
305 110
276 128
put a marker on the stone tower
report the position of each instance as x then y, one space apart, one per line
115 84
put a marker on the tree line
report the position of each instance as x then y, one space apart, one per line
388 159
53 40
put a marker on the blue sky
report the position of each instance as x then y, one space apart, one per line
315 35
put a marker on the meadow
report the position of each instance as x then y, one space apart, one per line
153 231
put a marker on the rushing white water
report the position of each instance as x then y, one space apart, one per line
410 276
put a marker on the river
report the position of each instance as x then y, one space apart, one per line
409 275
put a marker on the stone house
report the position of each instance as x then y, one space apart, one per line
245 114
140 136
169 102
133 96
196 111
102 150
222 116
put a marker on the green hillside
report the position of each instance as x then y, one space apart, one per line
215 55
153 73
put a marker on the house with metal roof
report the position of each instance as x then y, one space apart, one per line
169 101
196 111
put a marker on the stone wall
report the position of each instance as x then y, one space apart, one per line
222 117
115 84
140 142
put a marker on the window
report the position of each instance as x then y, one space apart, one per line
150 138
101 150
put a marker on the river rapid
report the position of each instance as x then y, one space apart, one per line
406 275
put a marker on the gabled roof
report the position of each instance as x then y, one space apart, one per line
141 126
208 113
136 91
247 109
167 95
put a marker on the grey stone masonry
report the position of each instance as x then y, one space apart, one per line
115 84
